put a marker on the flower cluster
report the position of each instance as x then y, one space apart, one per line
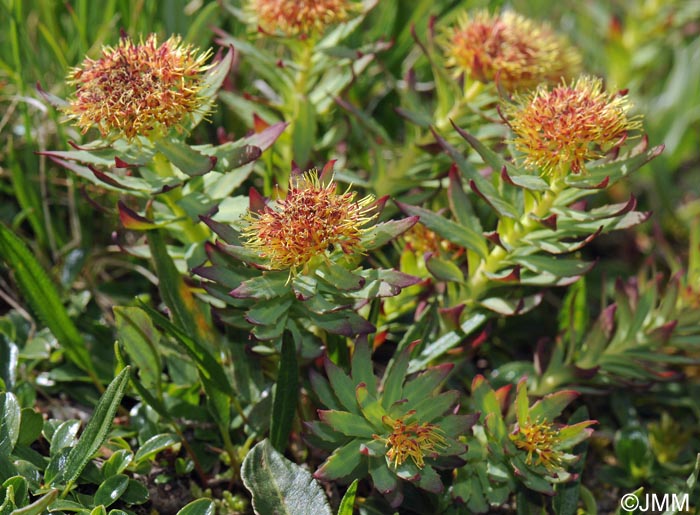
514 50
311 220
412 440
294 17
138 89
539 440
559 129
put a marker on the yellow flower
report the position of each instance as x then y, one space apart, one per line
412 440
560 129
299 16
539 441
312 220
516 51
138 89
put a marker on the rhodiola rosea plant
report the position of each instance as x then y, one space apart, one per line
344 256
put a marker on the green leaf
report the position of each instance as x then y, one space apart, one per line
382 233
460 204
154 445
343 386
136 493
394 377
269 312
348 502
444 270
339 277
171 285
9 358
286 395
30 427
342 463
279 486
64 436
111 490
550 406
553 265
96 431
10 421
362 366
270 285
458 234
185 158
99 510
21 488
117 462
41 294
39 506
304 131
347 423
140 339
567 495
199 507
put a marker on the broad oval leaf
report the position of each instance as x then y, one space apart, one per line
154 445
116 463
279 486
64 436
198 507
111 490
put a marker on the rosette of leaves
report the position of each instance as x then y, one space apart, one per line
533 446
398 430
262 283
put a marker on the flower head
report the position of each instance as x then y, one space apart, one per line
517 51
310 221
299 16
539 440
138 89
560 129
412 440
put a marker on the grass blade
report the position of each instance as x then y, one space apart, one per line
41 294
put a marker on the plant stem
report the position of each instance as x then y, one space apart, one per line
511 236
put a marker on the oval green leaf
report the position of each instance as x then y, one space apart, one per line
280 486
111 489
198 507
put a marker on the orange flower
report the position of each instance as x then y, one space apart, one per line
560 129
517 51
299 16
310 221
539 440
138 89
412 440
